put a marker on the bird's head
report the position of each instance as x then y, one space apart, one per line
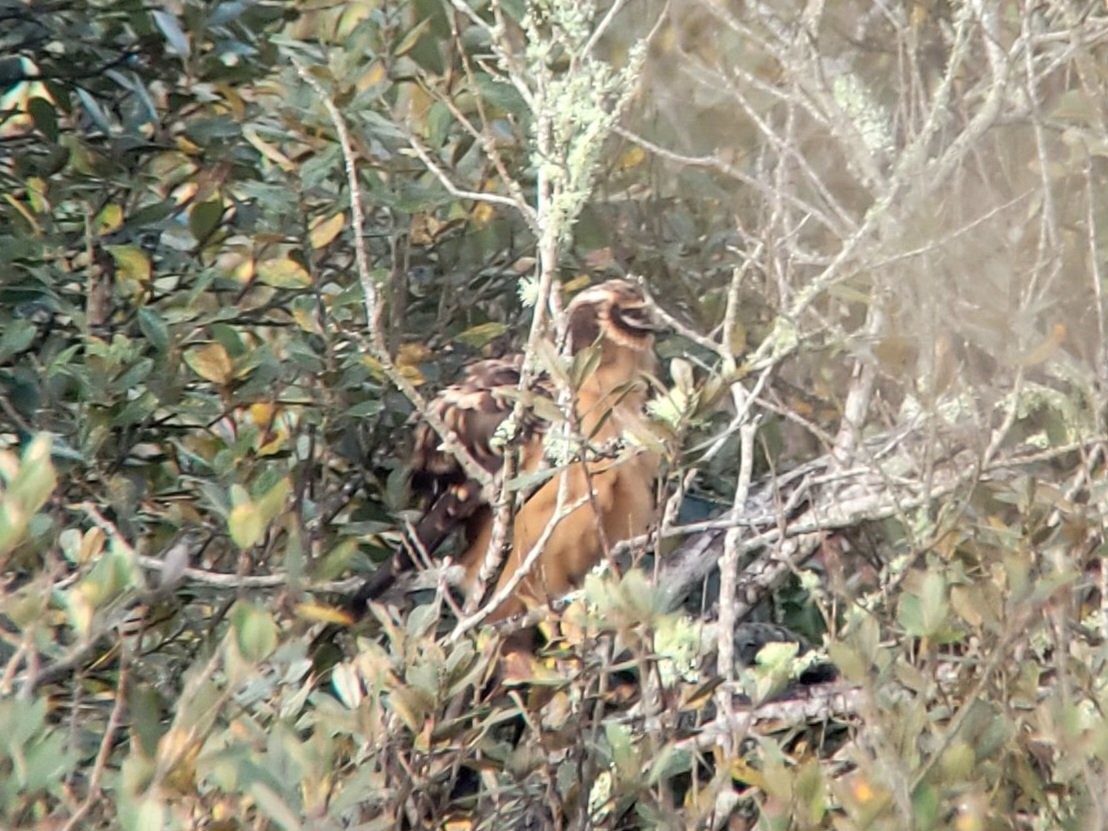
615 313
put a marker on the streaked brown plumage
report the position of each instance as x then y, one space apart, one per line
607 406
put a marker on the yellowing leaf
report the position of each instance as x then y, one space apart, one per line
187 146
862 791
326 230
273 442
483 214
631 157
262 413
419 102
274 433
211 362
576 284
273 501
246 270
372 76
91 545
307 320
423 228
479 335
410 354
81 612
28 483
28 217
37 189
245 524
131 261
373 365
109 219
413 374
410 705
408 359
268 150
284 273
741 771
319 613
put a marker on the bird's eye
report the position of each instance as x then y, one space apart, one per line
636 319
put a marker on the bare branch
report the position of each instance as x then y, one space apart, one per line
372 299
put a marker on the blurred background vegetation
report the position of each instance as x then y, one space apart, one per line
879 233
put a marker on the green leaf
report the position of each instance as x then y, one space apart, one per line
777 655
504 97
137 410
957 762
203 219
411 38
133 376
934 604
153 326
174 35
272 502
910 616
668 763
94 110
272 805
254 630
27 484
18 335
152 815
810 791
422 620
364 409
623 750
924 614
45 117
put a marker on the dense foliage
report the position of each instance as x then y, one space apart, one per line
878 234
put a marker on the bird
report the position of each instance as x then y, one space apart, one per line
610 477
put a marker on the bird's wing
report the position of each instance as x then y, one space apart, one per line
474 411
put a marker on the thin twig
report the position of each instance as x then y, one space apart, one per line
561 511
115 720
372 300
476 196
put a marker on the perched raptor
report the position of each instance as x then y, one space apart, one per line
605 411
